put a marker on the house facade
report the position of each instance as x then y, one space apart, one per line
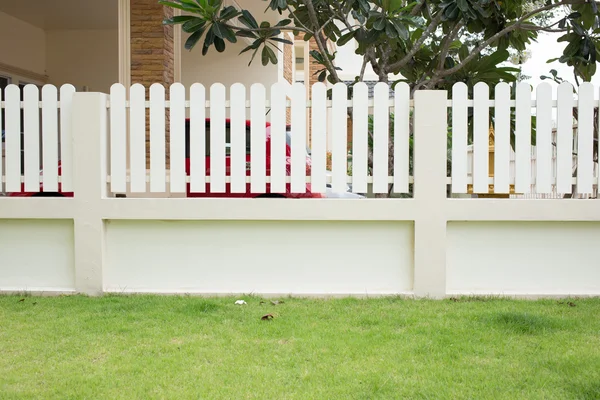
93 44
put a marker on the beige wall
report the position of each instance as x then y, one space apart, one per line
22 45
227 67
83 58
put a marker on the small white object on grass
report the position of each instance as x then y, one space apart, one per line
240 302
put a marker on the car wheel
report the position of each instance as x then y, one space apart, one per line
47 194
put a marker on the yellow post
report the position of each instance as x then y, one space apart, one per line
490 194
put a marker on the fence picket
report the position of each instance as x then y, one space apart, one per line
12 138
177 138
137 138
238 138
401 137
523 138
502 139
118 139
157 138
277 169
217 138
50 138
460 114
585 139
544 138
258 137
197 145
481 127
298 173
31 138
380 138
360 143
339 153
66 137
319 138
564 138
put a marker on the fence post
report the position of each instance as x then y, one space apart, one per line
90 130
430 155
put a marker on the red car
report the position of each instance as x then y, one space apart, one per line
247 194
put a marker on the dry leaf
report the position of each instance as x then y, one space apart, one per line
571 304
267 317
20 301
276 302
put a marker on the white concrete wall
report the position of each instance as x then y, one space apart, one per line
227 67
22 45
83 58
277 257
36 255
523 258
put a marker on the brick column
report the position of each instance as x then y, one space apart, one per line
151 43
152 46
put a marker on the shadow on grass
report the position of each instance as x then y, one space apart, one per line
524 323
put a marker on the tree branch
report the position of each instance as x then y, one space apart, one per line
417 45
441 74
447 42
312 15
417 8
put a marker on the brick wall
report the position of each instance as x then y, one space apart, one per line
152 47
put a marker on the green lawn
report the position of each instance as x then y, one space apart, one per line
142 347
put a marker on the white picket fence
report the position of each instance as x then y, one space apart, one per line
258 106
97 146
541 169
37 134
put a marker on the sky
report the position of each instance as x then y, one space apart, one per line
544 49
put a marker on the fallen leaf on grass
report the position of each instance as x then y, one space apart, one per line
20 301
267 317
571 304
276 302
